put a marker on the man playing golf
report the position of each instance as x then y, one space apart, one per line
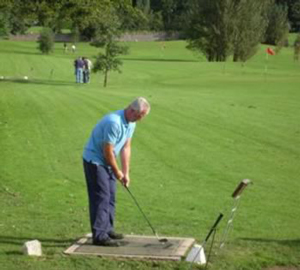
111 136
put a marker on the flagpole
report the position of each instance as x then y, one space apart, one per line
269 51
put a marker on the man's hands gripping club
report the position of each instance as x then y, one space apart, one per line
122 176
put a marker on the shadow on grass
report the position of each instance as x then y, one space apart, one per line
39 82
46 242
290 242
14 253
158 60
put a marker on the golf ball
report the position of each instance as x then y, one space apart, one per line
25 78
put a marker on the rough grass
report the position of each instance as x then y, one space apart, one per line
211 125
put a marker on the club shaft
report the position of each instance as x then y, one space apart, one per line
214 226
134 199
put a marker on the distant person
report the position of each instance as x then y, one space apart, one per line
79 65
87 69
65 47
111 136
73 47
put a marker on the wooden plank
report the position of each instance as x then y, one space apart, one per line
79 243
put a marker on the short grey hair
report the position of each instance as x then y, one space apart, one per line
140 104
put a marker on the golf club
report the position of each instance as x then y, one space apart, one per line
162 240
212 230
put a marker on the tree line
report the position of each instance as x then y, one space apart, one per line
81 16
217 28
223 28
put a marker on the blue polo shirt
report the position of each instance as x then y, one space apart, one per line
113 129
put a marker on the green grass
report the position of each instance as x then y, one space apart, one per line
211 125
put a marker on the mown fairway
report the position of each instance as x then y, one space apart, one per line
211 125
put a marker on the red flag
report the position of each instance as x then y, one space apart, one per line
270 51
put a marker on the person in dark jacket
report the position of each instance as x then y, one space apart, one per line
79 65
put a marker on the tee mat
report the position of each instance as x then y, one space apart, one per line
136 247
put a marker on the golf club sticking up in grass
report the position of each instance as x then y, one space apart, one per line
211 231
162 240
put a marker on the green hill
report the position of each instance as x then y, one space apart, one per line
211 125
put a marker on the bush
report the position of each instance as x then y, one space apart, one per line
46 41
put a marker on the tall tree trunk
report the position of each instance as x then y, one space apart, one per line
105 78
235 57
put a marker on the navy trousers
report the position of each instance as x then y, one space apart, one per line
101 186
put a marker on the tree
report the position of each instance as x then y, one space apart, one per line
297 48
109 61
86 15
250 22
295 15
46 40
172 13
130 17
278 27
155 21
108 31
220 28
143 5
14 17
210 28
4 22
51 13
